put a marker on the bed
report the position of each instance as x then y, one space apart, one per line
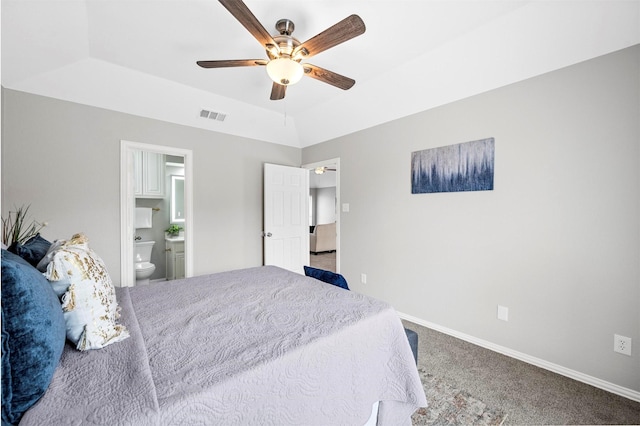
253 346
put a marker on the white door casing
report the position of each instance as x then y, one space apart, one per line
333 163
128 204
286 217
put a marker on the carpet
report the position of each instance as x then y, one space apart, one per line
326 261
451 406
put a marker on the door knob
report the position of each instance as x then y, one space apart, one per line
267 234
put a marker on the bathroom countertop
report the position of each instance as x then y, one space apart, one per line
177 239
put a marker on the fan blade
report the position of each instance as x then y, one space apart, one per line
344 30
242 13
277 91
330 77
232 63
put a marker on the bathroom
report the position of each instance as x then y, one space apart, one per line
159 181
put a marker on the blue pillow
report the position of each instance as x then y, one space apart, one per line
33 250
326 276
33 336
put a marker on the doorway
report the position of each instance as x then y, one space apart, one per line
324 210
128 189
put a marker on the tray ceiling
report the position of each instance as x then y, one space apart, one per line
139 57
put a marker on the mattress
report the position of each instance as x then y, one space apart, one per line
253 346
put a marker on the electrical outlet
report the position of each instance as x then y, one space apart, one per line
622 344
363 278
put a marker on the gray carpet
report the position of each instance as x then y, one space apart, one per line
326 261
527 394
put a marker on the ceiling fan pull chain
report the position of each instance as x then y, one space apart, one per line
285 112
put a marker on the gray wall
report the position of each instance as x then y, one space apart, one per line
313 192
557 241
326 205
64 160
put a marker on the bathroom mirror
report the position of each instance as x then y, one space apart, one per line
177 199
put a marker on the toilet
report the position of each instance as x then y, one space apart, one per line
142 259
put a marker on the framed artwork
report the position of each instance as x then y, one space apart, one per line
463 167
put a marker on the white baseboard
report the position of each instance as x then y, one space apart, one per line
567 372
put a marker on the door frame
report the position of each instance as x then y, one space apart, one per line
335 162
128 204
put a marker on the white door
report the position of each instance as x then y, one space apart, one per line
286 219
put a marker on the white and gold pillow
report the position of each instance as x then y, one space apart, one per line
89 304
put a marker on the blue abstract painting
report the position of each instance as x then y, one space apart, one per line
463 167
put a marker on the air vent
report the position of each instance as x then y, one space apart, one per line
213 115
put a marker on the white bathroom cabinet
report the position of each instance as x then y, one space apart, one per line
149 174
174 247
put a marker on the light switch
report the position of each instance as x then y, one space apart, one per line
345 207
503 313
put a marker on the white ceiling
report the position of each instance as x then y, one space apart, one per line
327 179
138 57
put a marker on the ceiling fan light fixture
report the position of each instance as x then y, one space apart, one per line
285 71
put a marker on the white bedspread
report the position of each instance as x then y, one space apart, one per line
249 347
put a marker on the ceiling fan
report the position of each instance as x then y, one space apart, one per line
285 52
321 170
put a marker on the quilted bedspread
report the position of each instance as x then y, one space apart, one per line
248 347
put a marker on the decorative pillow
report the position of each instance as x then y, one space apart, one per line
46 259
59 287
33 336
33 250
326 276
89 304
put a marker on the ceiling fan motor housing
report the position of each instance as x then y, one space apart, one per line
286 44
285 26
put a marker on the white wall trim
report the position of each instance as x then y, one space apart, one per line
128 202
567 372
